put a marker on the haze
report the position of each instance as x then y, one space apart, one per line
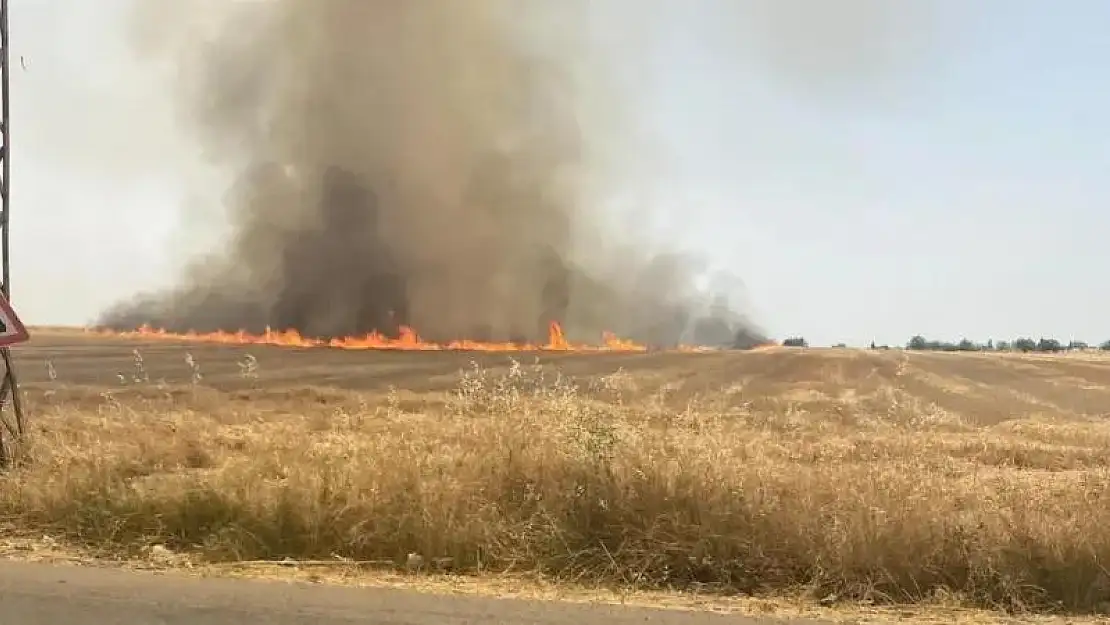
867 173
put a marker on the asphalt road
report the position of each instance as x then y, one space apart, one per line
44 594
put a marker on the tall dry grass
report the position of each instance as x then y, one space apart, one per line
876 497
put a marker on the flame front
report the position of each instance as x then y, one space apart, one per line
408 340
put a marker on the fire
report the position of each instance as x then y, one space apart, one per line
408 340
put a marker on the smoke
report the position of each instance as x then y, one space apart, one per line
860 53
432 164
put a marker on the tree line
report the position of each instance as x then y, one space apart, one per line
1022 344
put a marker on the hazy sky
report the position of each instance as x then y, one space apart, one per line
931 169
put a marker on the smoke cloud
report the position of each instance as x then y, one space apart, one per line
431 164
407 163
862 55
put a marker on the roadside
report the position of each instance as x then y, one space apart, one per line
519 586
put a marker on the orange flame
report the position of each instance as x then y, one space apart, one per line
408 340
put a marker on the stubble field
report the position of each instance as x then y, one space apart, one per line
845 474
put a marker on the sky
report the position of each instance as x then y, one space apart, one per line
868 175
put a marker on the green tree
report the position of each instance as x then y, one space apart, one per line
965 345
1049 345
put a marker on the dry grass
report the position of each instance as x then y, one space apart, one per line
871 496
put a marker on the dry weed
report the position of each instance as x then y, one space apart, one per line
874 498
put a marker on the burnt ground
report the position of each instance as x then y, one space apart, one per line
983 388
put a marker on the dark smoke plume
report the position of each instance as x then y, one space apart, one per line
415 162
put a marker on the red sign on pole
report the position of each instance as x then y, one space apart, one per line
12 330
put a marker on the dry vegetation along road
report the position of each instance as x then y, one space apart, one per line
887 477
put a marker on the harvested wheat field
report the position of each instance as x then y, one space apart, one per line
882 476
